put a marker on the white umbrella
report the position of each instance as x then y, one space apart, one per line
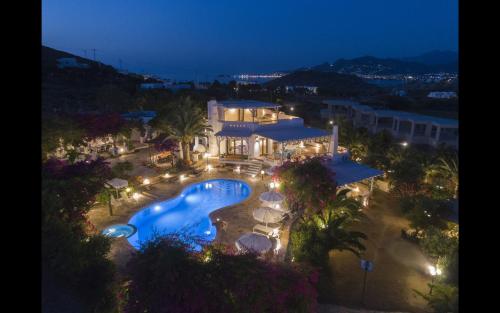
267 215
117 183
254 243
271 196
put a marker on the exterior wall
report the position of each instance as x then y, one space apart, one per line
412 131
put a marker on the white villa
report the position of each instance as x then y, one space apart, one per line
252 133
406 126
246 129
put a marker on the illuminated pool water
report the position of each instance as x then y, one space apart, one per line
119 230
188 212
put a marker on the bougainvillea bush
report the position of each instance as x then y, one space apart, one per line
308 185
167 276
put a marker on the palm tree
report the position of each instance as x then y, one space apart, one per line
341 206
447 167
185 122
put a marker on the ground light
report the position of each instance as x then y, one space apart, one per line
167 175
262 174
434 271
136 196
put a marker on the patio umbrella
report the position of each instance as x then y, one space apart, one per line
117 183
267 215
272 198
254 243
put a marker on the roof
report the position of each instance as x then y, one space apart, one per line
117 183
348 172
392 113
246 104
234 132
292 133
139 114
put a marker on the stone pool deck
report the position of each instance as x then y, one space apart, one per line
238 217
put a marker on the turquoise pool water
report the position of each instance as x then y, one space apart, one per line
188 212
119 230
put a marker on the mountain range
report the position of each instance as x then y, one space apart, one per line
430 62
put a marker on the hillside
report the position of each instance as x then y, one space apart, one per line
435 57
83 89
329 83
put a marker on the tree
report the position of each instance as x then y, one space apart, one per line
308 185
313 239
59 131
447 167
121 168
427 212
185 122
72 253
165 275
444 298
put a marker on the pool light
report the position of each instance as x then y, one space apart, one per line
157 208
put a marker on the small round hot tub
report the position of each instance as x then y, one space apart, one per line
119 230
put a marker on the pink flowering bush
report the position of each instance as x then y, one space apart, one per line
167 276
308 185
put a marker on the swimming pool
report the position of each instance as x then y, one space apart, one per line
188 212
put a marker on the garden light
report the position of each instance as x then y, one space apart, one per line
271 185
331 122
128 189
167 175
122 150
209 167
404 143
146 181
182 177
135 196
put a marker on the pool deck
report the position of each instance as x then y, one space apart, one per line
238 217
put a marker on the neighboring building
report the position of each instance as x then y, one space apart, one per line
442 94
70 63
144 117
409 127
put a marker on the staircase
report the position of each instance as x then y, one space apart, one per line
254 169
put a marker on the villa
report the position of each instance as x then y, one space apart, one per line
247 129
253 133
410 127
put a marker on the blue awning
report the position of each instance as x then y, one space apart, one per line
234 132
349 172
292 133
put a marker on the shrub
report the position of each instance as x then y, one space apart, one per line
167 276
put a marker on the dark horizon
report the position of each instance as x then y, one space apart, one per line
196 38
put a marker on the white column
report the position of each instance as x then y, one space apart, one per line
412 130
438 133
251 146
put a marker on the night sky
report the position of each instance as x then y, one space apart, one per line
228 36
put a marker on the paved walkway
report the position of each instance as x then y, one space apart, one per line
399 266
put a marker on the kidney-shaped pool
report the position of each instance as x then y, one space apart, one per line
188 212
